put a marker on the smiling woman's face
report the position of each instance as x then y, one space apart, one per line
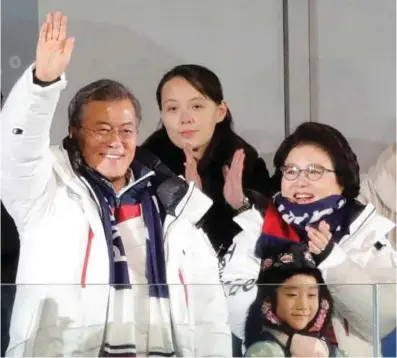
302 190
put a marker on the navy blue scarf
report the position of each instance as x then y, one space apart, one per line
111 206
331 209
285 221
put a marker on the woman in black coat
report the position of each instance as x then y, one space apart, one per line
197 140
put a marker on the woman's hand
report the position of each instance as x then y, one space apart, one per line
233 176
191 173
318 239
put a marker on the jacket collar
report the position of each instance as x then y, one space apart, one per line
174 191
63 167
379 226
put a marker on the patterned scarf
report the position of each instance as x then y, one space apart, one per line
137 200
299 216
286 221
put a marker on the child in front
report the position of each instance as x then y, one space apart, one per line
292 298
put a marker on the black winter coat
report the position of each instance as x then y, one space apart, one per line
218 222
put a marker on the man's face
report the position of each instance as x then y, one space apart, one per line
107 138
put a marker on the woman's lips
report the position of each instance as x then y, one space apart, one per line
188 134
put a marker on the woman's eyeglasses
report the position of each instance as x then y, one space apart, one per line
313 172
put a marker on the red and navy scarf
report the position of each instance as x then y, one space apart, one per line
117 209
285 221
121 335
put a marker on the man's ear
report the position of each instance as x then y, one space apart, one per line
73 134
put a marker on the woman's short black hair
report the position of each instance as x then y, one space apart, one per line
331 141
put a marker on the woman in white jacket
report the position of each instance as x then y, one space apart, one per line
111 262
318 175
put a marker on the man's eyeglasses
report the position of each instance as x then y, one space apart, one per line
313 172
106 134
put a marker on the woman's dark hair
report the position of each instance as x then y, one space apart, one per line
330 140
201 78
208 84
101 90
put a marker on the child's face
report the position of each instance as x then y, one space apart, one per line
298 301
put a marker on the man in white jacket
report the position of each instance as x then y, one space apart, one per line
112 260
